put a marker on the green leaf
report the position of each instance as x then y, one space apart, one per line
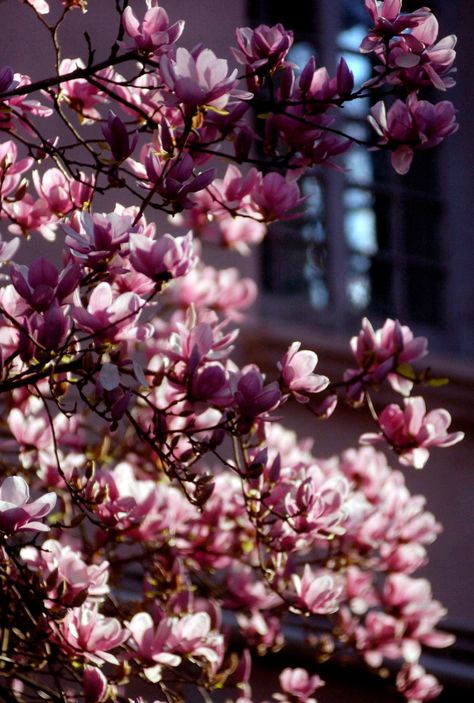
438 382
406 371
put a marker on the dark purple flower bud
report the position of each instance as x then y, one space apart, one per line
117 138
344 78
6 78
287 83
211 384
55 327
307 74
95 685
243 143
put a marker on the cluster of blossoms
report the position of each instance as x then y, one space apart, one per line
187 528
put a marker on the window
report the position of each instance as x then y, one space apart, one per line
370 242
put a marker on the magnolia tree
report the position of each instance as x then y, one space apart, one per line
158 527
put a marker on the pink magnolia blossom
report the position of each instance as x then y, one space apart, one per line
163 258
11 168
198 79
6 79
40 284
276 197
389 21
378 353
109 316
8 249
54 188
316 593
296 373
63 568
416 685
154 34
94 685
412 431
252 397
86 632
412 125
298 684
17 110
175 180
118 137
221 290
416 59
263 47
40 6
173 639
81 96
16 513
96 238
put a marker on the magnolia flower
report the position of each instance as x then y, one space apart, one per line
412 431
198 79
388 21
95 238
262 47
8 249
416 124
276 197
318 594
84 631
297 684
154 34
16 513
94 684
40 284
416 685
296 373
167 257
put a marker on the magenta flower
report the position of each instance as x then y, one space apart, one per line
118 138
41 284
388 21
85 632
378 354
296 373
416 685
175 180
199 79
81 96
276 197
252 397
8 249
16 513
164 645
54 188
318 594
6 79
164 258
154 34
11 169
96 238
407 127
298 684
64 570
417 59
94 684
412 431
264 47
108 316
